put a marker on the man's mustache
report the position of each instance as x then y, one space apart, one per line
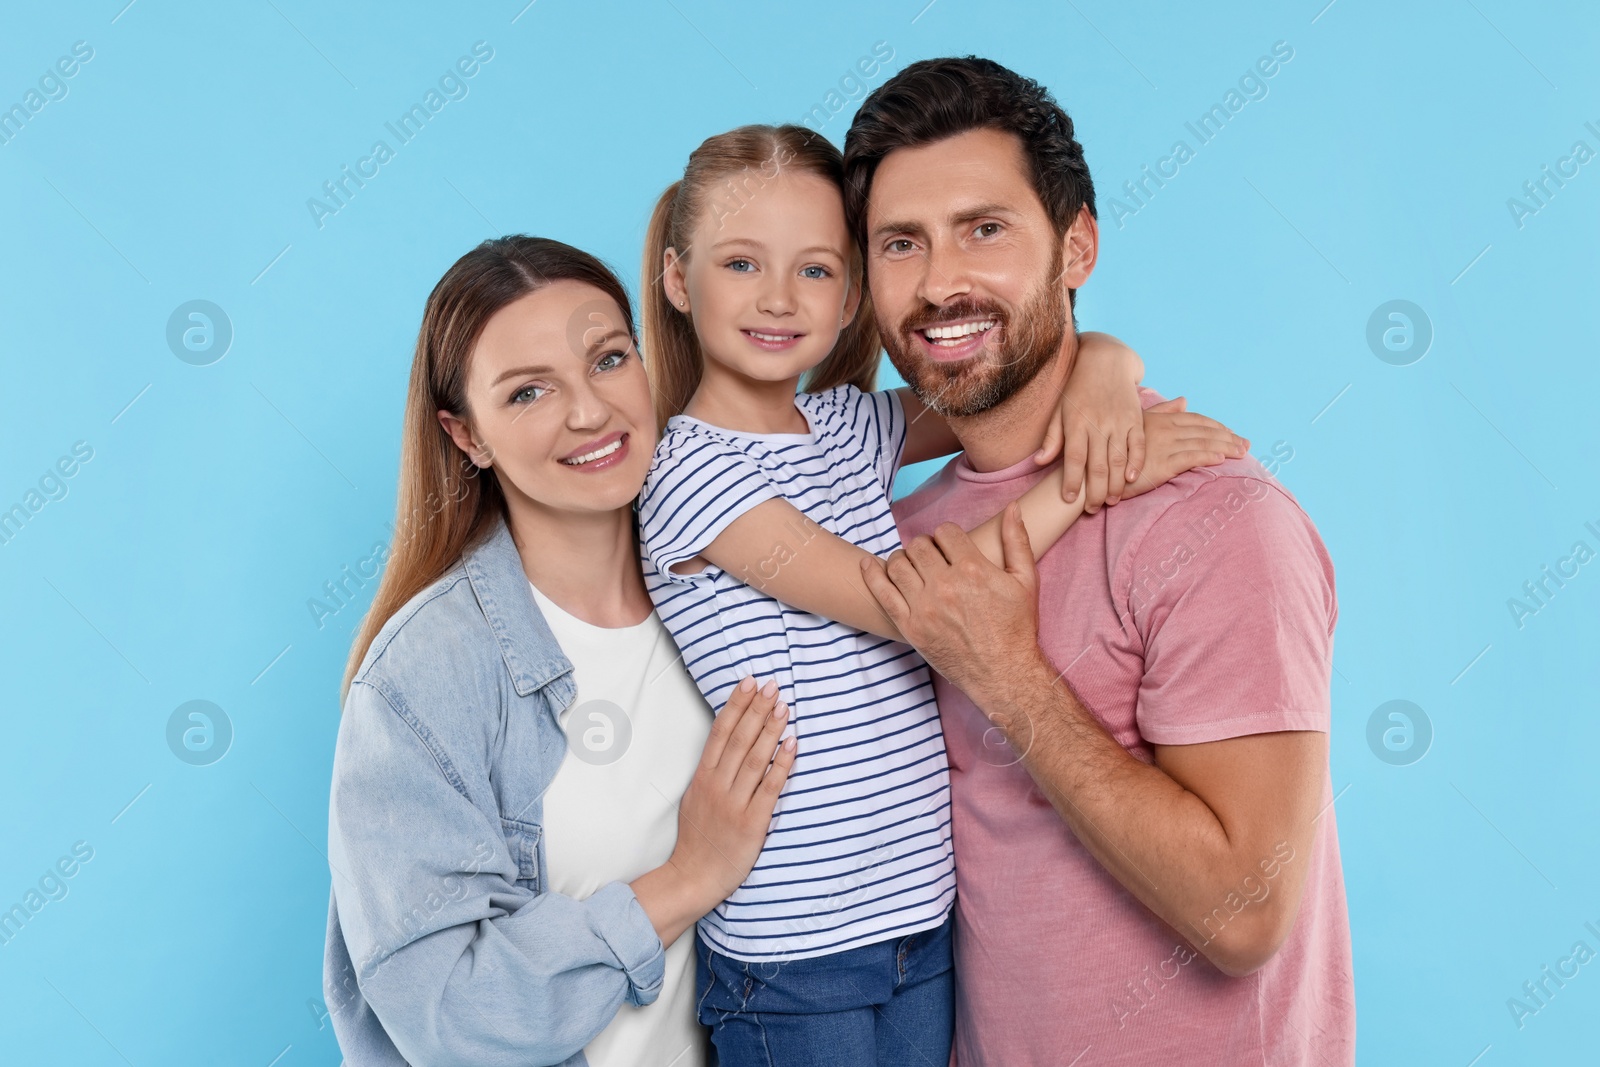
965 309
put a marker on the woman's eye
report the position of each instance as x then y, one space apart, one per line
815 272
525 395
611 360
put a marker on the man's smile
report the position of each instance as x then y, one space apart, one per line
948 342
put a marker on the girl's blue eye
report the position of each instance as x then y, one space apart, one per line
820 272
521 396
740 264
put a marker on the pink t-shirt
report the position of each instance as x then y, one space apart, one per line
1201 610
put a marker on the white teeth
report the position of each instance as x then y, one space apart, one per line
598 453
958 331
771 336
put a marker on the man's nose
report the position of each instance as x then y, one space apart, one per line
944 274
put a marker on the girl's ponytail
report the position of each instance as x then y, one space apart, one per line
671 352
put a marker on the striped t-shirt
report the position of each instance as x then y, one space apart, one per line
859 850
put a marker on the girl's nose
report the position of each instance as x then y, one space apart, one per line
777 298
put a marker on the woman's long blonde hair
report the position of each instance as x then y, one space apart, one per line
446 504
737 164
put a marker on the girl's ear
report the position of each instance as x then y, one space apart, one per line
461 434
852 302
672 279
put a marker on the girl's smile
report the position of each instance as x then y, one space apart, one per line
773 340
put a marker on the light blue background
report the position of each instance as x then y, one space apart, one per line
179 564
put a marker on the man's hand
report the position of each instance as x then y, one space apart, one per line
974 623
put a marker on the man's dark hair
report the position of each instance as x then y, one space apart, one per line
933 99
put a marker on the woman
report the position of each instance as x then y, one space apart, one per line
493 901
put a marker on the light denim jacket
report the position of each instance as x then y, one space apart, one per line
443 947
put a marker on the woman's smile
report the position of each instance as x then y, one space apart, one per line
603 454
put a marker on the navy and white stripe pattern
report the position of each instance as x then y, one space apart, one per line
859 851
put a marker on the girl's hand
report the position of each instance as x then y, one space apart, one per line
1100 423
1177 441
725 812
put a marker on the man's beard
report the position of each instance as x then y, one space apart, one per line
1030 341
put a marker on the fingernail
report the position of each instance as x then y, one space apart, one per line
780 710
770 688
747 684
788 746
1072 496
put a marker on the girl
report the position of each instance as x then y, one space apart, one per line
756 513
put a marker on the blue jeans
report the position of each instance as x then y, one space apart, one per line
891 1004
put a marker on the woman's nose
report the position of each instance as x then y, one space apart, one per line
586 408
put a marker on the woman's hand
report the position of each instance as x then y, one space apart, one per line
1100 423
723 818
1177 441
724 814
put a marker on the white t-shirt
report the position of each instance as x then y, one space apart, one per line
635 732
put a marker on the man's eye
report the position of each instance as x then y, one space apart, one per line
900 244
988 229
526 395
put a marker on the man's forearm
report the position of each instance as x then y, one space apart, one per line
1161 841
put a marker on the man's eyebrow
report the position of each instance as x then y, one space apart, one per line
895 226
965 214
981 210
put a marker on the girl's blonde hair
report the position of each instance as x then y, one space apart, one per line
737 164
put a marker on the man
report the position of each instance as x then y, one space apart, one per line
1146 854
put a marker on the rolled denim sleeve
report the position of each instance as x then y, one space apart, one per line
459 961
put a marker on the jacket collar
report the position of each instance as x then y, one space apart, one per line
532 656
